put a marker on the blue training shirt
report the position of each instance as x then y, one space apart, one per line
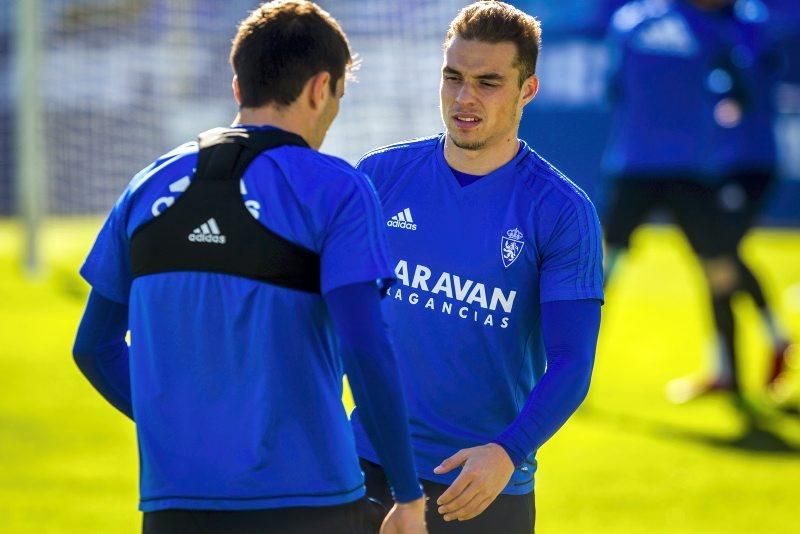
473 265
204 345
663 56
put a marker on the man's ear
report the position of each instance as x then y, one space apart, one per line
529 89
237 93
319 90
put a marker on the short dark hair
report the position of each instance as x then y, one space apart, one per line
281 45
496 22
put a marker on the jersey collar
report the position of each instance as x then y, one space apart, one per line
499 174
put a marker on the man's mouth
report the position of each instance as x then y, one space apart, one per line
466 120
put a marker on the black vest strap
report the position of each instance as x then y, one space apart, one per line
209 229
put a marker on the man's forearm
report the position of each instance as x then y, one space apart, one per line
372 371
570 330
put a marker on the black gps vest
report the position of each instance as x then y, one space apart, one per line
209 228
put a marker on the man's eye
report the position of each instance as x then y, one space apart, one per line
489 84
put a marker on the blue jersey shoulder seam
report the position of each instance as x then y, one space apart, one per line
539 168
419 142
402 144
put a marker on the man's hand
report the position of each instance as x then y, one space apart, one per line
487 469
406 518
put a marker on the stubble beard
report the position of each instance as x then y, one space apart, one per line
475 145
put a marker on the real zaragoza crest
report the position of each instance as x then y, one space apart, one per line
510 246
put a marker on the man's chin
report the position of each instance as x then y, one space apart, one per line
463 144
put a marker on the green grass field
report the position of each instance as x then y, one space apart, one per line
628 462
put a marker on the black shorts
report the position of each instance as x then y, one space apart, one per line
692 204
359 517
739 199
508 514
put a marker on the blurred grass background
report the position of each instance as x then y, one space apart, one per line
628 462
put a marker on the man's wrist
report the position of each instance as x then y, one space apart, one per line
418 502
410 497
515 458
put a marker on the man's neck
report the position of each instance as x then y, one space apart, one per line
284 119
482 161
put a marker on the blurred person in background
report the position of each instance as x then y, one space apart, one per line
499 262
679 143
233 261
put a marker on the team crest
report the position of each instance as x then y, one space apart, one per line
510 246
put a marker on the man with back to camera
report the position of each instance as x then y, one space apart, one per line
230 260
499 265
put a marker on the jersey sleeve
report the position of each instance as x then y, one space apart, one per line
572 258
107 267
355 248
569 331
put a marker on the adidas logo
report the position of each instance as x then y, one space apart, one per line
208 232
402 220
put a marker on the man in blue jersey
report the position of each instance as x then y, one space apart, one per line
231 260
499 263
662 125
676 143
